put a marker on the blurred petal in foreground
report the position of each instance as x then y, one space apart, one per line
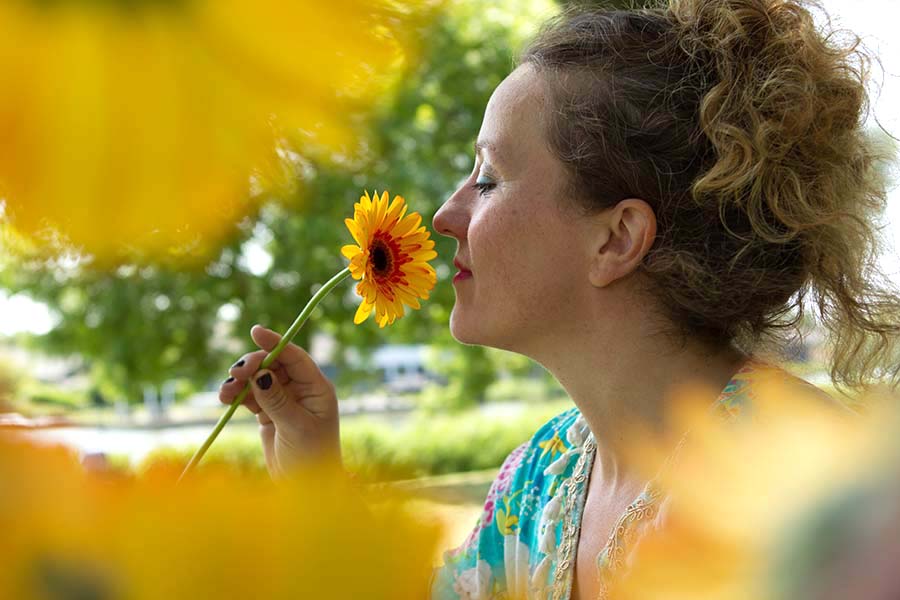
742 498
67 533
134 128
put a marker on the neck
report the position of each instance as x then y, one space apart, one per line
623 388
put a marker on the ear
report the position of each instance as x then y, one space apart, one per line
626 235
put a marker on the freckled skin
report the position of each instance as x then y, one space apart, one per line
527 257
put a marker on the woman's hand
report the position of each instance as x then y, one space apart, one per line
294 403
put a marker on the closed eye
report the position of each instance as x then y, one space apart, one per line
484 187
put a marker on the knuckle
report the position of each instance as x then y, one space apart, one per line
279 400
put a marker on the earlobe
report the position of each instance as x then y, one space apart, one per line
625 238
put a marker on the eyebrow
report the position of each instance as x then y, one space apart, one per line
496 156
479 146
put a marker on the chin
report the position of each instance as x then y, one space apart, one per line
473 332
467 330
459 331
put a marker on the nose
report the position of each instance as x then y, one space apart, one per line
452 217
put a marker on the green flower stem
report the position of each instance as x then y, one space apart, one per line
267 361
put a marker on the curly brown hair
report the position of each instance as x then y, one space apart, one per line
742 125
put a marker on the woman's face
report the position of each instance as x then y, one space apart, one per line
522 260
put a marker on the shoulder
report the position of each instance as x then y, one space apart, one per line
763 384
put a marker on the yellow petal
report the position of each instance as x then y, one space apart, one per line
408 224
367 291
408 299
362 313
394 211
416 237
362 219
355 232
377 213
350 250
397 309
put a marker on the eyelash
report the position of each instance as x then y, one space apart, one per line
484 187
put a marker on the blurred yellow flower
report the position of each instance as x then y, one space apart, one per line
68 534
146 129
390 258
735 491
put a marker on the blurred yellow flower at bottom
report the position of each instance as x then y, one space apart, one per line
72 534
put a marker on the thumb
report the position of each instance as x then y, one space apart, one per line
272 398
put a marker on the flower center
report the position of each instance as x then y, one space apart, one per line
382 258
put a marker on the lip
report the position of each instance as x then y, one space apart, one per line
464 273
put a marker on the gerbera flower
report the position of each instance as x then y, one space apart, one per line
390 258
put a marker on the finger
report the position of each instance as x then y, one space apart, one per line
251 404
247 365
229 390
274 400
244 368
297 363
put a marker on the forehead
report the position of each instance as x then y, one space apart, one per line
513 118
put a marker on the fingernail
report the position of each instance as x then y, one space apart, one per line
229 380
239 363
265 382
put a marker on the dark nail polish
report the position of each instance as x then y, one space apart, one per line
264 382
239 363
229 380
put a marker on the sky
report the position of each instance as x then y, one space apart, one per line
874 20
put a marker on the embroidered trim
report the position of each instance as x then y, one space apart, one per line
562 581
611 559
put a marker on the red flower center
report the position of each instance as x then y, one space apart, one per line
381 258
386 257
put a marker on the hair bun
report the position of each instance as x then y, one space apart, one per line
783 98
784 115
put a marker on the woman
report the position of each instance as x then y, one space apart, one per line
654 192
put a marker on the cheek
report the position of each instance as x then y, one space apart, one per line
494 244
510 251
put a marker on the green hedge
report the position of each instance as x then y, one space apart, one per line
434 445
426 445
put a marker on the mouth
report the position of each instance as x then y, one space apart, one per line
464 273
